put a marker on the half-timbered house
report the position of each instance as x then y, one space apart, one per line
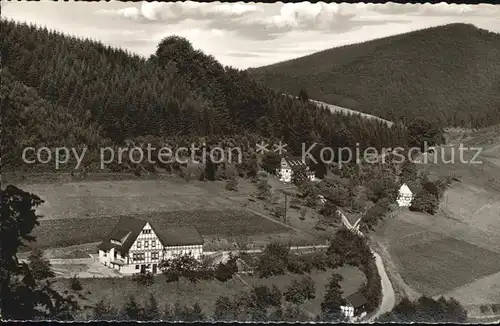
135 245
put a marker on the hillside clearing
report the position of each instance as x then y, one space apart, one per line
229 223
435 255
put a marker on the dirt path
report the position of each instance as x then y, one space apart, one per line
388 294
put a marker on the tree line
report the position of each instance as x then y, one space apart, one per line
108 96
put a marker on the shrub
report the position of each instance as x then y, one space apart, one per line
75 284
425 202
144 278
300 291
484 308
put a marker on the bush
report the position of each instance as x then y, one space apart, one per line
263 190
296 265
144 278
425 202
270 265
75 284
300 291
484 308
267 297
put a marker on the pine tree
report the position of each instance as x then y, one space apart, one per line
330 307
39 265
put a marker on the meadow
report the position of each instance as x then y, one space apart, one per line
116 290
53 233
436 255
455 252
66 200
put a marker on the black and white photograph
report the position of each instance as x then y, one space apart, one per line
250 162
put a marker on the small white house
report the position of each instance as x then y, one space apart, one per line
355 307
291 163
136 245
405 196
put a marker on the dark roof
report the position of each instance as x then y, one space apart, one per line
357 299
180 236
126 225
128 229
295 161
119 234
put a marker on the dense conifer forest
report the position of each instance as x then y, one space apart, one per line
447 74
61 90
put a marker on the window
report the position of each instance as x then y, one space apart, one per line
146 231
139 256
153 243
146 243
138 244
154 255
136 266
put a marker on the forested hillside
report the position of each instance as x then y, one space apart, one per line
61 90
449 74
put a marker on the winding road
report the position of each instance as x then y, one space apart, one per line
388 294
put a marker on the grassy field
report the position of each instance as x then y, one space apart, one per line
434 259
456 252
53 233
76 213
111 198
205 292
483 291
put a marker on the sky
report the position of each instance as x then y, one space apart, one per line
245 35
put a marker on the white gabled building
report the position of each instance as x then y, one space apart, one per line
289 164
135 245
405 196
355 307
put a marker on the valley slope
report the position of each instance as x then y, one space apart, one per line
449 74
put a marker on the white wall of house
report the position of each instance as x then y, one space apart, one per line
105 257
146 252
348 311
405 196
195 250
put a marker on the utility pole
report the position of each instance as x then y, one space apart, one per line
286 202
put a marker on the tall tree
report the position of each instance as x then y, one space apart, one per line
333 300
23 297
39 265
300 291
